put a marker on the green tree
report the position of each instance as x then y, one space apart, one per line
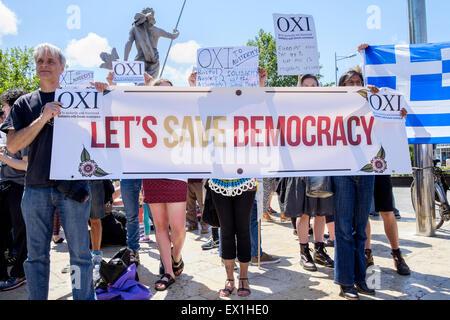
268 60
18 70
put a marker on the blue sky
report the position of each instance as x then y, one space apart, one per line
341 26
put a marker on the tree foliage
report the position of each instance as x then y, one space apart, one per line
17 70
268 60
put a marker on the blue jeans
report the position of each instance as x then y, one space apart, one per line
352 199
130 189
254 231
38 208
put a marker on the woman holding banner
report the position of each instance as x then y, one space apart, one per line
167 199
297 203
352 197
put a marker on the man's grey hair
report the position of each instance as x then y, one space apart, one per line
40 49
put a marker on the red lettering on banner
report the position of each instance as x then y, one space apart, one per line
94 143
297 138
127 121
149 132
305 131
367 129
255 132
237 142
323 131
339 126
110 132
272 136
350 131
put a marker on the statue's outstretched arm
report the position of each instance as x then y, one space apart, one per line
165 34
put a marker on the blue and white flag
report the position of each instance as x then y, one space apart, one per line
422 73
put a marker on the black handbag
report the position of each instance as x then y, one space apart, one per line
209 210
112 270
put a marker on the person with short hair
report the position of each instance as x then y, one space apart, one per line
30 123
12 179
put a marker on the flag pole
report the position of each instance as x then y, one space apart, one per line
423 153
171 41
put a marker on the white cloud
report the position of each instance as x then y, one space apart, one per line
185 52
86 51
8 21
178 76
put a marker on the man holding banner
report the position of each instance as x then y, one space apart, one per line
30 123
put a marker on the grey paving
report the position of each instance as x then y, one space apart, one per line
428 258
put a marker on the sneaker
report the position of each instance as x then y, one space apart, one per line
211 244
12 283
321 257
144 239
397 214
400 264
306 261
264 259
266 217
374 214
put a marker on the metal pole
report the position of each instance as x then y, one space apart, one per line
423 153
171 41
335 68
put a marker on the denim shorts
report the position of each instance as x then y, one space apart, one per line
97 199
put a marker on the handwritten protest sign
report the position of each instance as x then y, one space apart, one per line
227 67
76 78
297 51
128 71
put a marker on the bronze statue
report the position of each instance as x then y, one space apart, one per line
146 35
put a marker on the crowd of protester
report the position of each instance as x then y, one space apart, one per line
34 208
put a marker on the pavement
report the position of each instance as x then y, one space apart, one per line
204 275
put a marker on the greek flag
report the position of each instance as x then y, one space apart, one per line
422 73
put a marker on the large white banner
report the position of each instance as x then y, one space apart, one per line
296 39
156 132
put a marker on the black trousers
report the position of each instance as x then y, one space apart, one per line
11 216
234 216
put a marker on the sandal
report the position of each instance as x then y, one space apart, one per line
166 283
177 267
225 292
243 292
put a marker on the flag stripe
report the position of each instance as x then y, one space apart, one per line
446 66
381 82
428 120
382 55
437 140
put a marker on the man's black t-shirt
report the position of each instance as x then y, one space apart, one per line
25 110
